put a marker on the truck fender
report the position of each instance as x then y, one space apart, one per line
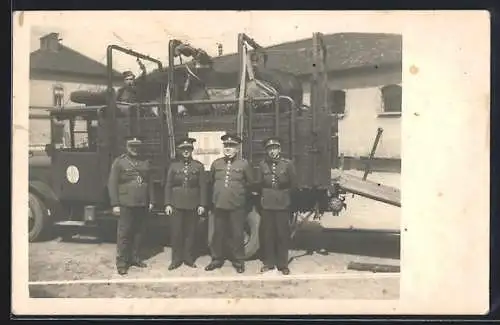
46 194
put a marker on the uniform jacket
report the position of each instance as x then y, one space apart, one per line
185 187
130 94
230 182
276 180
130 182
127 95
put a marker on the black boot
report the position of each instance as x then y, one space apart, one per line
239 267
266 268
122 270
213 265
137 262
190 264
174 265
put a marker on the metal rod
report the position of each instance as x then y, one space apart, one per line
136 54
277 116
220 101
250 133
372 153
171 93
110 90
242 87
292 123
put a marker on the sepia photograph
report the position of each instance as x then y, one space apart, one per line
227 158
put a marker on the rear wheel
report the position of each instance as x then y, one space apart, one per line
251 229
38 218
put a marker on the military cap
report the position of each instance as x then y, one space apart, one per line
133 139
128 73
230 138
185 142
272 141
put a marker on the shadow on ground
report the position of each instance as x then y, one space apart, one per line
311 238
39 292
345 241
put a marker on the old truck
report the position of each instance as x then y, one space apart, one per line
67 188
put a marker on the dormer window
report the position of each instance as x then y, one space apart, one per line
58 95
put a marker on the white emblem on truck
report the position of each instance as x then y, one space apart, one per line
208 146
72 174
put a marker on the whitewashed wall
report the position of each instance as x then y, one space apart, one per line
358 127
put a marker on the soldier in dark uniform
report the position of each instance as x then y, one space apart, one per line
131 196
230 179
185 201
128 93
276 179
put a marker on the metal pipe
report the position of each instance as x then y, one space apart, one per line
277 116
250 41
220 101
110 90
135 54
372 153
293 123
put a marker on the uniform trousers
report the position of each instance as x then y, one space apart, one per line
130 232
229 227
276 233
183 234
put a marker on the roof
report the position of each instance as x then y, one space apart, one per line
67 61
344 51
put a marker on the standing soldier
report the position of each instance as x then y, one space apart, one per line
230 178
185 200
128 93
131 195
276 179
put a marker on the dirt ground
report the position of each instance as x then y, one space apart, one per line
366 232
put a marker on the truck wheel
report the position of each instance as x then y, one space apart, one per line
251 240
38 219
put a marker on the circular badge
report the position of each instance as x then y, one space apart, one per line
72 174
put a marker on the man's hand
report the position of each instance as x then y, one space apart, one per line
201 211
168 210
116 211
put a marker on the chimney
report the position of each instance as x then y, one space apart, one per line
219 48
50 42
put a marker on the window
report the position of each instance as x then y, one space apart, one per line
58 95
337 102
391 100
75 134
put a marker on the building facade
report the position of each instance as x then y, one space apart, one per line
365 85
55 72
365 99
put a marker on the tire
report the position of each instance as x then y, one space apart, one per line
252 238
39 226
88 97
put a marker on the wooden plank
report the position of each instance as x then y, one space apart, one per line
369 189
373 267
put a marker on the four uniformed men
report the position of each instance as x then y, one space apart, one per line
131 196
230 181
185 201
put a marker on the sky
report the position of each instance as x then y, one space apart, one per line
148 32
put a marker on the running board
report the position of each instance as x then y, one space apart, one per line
74 223
369 189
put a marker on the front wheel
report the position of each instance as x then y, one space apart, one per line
38 218
251 228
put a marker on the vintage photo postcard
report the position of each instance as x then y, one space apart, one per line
267 162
